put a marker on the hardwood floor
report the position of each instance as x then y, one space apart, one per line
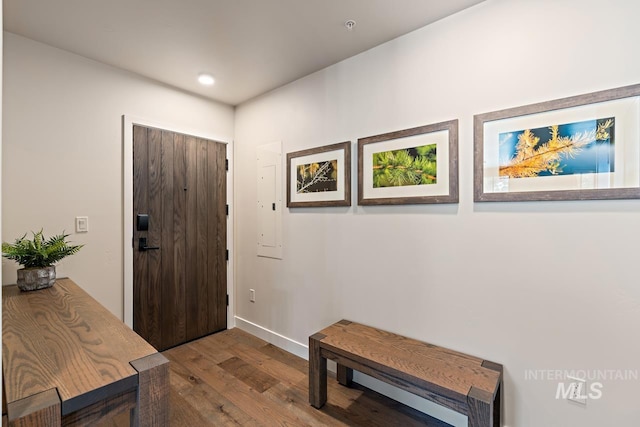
235 379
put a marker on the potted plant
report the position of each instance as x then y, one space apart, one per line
37 257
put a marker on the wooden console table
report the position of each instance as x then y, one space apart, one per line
67 361
463 383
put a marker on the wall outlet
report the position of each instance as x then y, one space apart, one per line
578 389
252 295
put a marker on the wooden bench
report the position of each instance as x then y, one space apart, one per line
463 383
67 361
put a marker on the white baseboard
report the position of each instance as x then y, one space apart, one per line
302 350
423 405
299 349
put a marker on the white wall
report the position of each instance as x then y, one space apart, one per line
532 285
62 152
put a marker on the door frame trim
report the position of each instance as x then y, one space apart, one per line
128 122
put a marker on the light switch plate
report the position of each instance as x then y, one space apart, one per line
82 224
578 388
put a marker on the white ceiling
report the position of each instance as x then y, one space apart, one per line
250 46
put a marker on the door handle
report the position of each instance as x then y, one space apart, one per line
142 245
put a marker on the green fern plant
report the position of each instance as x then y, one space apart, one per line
396 168
39 252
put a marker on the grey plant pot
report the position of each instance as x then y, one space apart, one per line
31 279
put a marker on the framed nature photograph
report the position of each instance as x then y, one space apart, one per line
411 166
579 148
319 176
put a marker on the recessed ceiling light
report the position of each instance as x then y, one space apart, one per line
206 79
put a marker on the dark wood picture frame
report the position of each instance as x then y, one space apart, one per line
343 192
547 111
450 168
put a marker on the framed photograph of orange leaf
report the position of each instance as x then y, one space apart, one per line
319 177
585 147
410 166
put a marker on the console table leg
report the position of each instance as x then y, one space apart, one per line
42 409
317 373
153 391
480 408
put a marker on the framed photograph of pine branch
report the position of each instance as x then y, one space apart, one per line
411 166
319 177
584 147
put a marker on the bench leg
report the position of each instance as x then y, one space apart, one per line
481 408
317 373
345 375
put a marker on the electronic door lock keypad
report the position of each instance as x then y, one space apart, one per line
142 222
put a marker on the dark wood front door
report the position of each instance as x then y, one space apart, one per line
180 270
